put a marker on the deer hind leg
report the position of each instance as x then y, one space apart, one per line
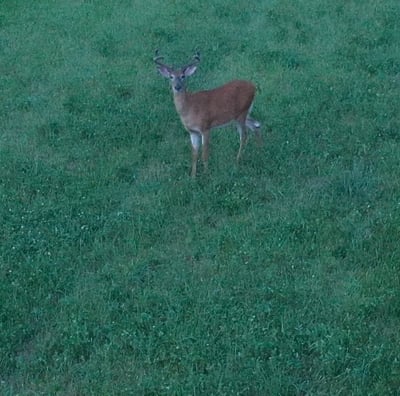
241 127
254 126
195 139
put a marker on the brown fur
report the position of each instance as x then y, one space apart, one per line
205 110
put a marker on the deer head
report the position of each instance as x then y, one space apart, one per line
178 76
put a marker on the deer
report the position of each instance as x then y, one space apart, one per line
202 111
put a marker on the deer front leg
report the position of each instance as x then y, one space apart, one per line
205 138
196 142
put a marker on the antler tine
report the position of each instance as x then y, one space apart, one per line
195 59
157 58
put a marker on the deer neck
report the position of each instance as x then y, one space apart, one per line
181 101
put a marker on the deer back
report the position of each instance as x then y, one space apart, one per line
204 110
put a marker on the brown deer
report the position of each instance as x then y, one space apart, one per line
204 110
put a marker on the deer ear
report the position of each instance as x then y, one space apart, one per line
189 70
164 71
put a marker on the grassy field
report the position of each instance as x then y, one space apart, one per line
119 275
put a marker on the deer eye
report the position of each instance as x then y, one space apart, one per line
183 76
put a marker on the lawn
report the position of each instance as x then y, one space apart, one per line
120 275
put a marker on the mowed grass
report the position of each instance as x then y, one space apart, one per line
122 276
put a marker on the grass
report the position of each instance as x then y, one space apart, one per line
120 275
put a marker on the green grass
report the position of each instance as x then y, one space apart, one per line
119 275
